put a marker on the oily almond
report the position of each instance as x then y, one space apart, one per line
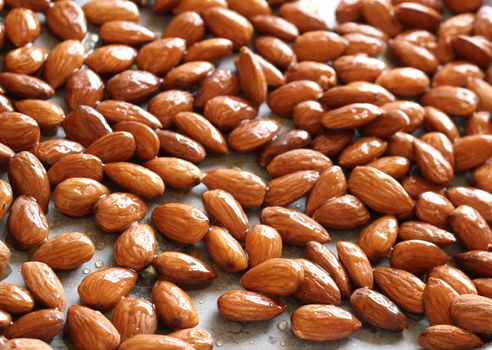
279 277
5 255
147 142
98 12
323 322
225 23
251 77
22 26
118 211
133 316
356 92
433 208
484 286
396 200
226 211
135 179
457 74
412 55
351 116
227 112
118 146
84 87
42 324
5 322
478 124
169 103
331 183
275 26
317 286
247 188
473 197
305 159
389 123
27 224
160 56
184 270
394 166
26 59
66 20
47 114
76 165
172 219
284 142
76 196
359 43
6 197
457 279
381 15
320 73
342 212
26 343
366 29
445 336
417 256
174 306
111 59
403 288
418 15
404 81
118 111
198 5
377 239
472 151
135 248
101 331
25 86
199 339
15 124
104 288
288 188
262 243
132 85
294 227
15 299
44 285
475 49
275 51
210 50
176 144
63 60
303 18
251 8
358 67
452 100
222 82
471 312
378 310
283 100
483 90
356 263
411 230
416 185
476 261
483 176
175 172
307 116
252 134
348 11
319 46
126 33
187 25
188 75
440 142
5 104
471 228
273 76
85 125
225 250
432 163
438 296
414 111
243 305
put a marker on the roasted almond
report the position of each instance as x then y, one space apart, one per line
394 166
359 43
43 284
15 124
6 197
448 337
317 286
133 316
452 100
160 56
307 115
351 68
471 312
118 211
303 18
404 81
351 116
455 278
242 305
473 197
412 55
416 230
251 77
417 256
356 92
225 23
348 11
156 341
475 49
147 142
418 16
438 296
456 74
210 50
283 100
275 26
66 20
98 12
76 165
135 248
377 239
5 255
342 212
356 263
175 172
169 103
15 299
319 46
416 185
284 142
305 159
63 60
275 51
221 82
476 261
227 112
250 8
135 179
225 250
85 125
179 145
273 76
41 324
471 228
132 85
484 286
262 243
84 87
125 33
199 339
483 176
252 134
187 25
26 59
381 15
48 115
25 86
432 164
472 151
198 5
118 146
111 59
22 26
27 224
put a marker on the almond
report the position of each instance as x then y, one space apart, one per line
118 146
417 256
221 82
415 230
117 111
111 59
377 239
147 142
169 103
476 261
456 74
275 51
319 46
351 68
225 23
135 248
175 172
85 125
288 188
26 343
156 341
305 159
414 111
76 165
63 60
225 250
279 277
479 123
160 56
307 115
412 55
294 227
198 5
381 15
66 20
275 26
389 123
394 166
43 284
284 142
15 299
319 73
404 81
348 11
118 211
455 278
476 49
25 86
356 92
227 112
273 76
342 212
483 176
252 134
262 243
133 316
210 50
482 22
41 324
452 100
484 286
184 270
351 116
5 322
471 228
347 27
359 43
472 151
98 12
483 90
76 197
13 126
419 16
323 322
242 305
135 179
125 33
356 263
172 219
473 197
36 5
132 85
378 310
187 25
247 188
89 328
84 87
251 77
283 100
250 8
438 296
403 288
66 251
331 143
174 306
317 286
22 26
27 224
48 115
179 145
448 337
471 312
5 255
432 164
303 18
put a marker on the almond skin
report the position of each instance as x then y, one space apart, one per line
226 212
473 197
84 87
118 146
187 25
133 316
396 199
288 188
378 310
125 33
160 56
251 77
247 188
356 263
66 20
279 277
66 251
472 151
262 243
6 153
471 228
377 239
403 288
319 46
41 324
15 299
432 164
221 82
224 23
417 256
28 177
294 227
184 270
15 124
90 329
111 59
356 92
351 68
154 341
284 142
48 114
175 172
307 115
210 50
135 248
471 312
275 51
135 178
448 337
411 230
85 125
351 116
179 145
323 322
51 151
362 152
242 306
76 196
331 183
438 296
188 75
172 219
433 208
460 282
132 85
63 60
305 159
342 212
27 224
100 12
118 211
227 112
476 261
25 86
76 165
252 134
394 166
225 250
43 284
22 26
283 100
174 306
147 142
317 286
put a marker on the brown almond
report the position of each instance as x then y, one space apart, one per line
351 68
135 248
135 179
210 50
275 51
133 316
262 243
389 123
377 239
476 261
225 23
22 26
356 92
76 165
320 73
331 143
179 145
307 116
25 86
331 183
147 142
471 228
98 12
319 46
381 15
433 208
175 172
472 151
283 100
435 120
484 286
160 56
111 59
15 299
221 82
448 337
416 185
186 25
273 76
13 126
125 33
66 20
5 322
404 81
47 114
401 144
275 26
250 8
227 112
155 340
288 188
43 284
85 125
475 49
455 278
169 103
472 312
118 211
303 18
118 146
63 60
84 87
36 5
411 230
412 55
317 286
132 85
41 324
438 296
473 197
284 142
243 306
356 263
351 116
252 134
6 197
198 5
305 159
349 11
418 16
394 166
26 59
417 256
456 74
359 43
452 100
342 212
251 77
225 250
432 164
482 176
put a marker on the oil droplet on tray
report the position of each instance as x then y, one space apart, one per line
282 343
219 343
99 264
201 301
283 325
100 245
86 271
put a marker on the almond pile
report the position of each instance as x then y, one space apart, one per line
377 147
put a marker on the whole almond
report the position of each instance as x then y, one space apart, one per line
351 116
433 208
160 56
403 288
118 211
478 124
404 81
307 116
126 33
417 256
13 126
294 227
135 248
221 82
356 262
351 68
288 188
331 143
411 230
472 151
26 343
89 328
43 284
42 324
414 111
448 337
305 159
273 76
225 250
175 172
66 251
319 46
323 322
210 50
198 5
111 59
275 26
242 305
275 51
172 219
147 142
394 166
154 341
174 306
359 43
187 25
320 73
317 286
84 87
283 100
381 15
417 15
284 142
98 12
251 8
118 146
252 134
362 151
179 145
378 310
188 75
262 243
76 165
117 111
251 77
412 55
452 100
483 176
484 286
416 185
27 224
377 239
48 115
66 20
356 92
133 316
470 312
225 23
473 197
438 296
15 299
303 18
342 212
135 179
471 228
5 255
25 86
247 188
22 26
184 270
348 27
63 60
457 279
432 164
389 123
227 112
132 85
476 261
169 103
85 125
